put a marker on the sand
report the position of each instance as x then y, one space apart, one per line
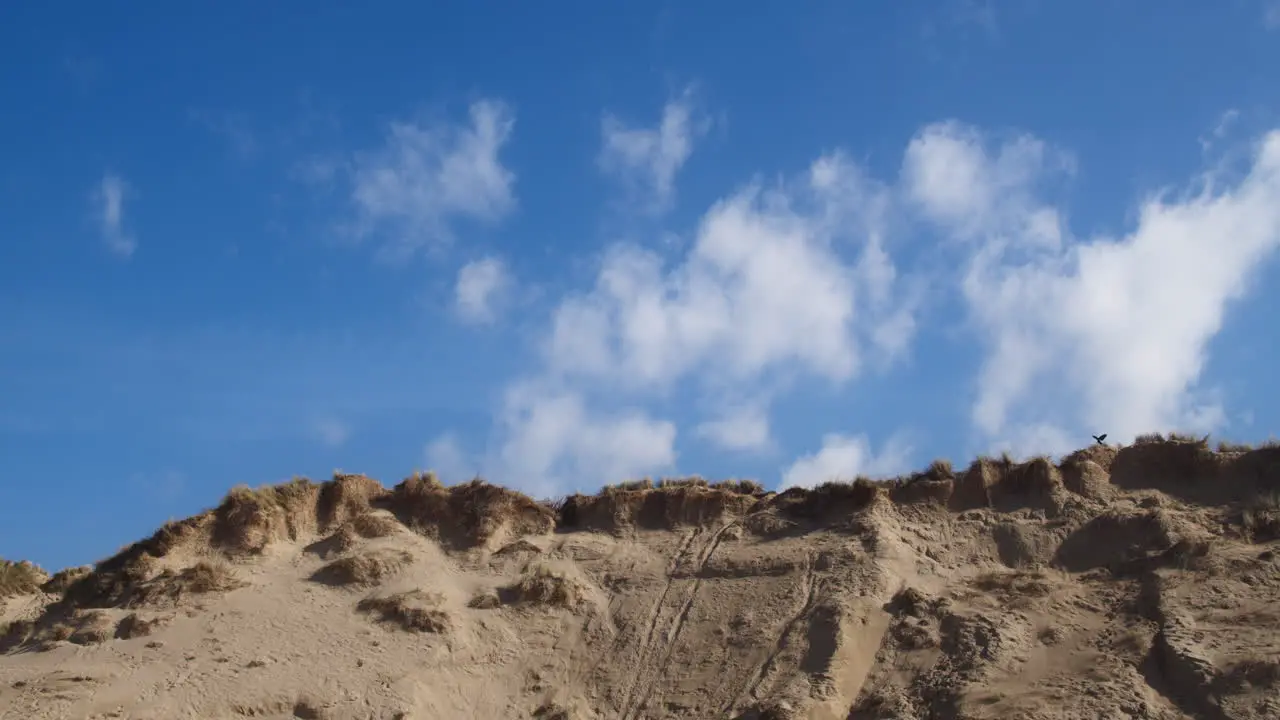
1139 582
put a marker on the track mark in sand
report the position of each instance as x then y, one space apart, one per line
650 679
651 625
809 591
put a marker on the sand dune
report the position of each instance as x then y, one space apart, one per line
1140 582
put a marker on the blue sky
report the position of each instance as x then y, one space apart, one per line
561 244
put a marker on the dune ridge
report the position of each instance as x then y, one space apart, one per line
1136 581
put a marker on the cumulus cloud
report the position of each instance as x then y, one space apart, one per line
845 457
765 286
107 200
778 283
646 160
554 441
480 287
1103 333
429 174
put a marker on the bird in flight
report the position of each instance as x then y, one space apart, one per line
1101 438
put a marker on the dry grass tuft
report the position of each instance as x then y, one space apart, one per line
15 634
836 498
1261 518
933 486
363 569
64 579
347 496
545 583
939 469
248 520
485 600
1007 484
134 626
691 481
467 515
628 486
415 611
690 501
20 578
1013 585
91 628
373 525
171 587
742 487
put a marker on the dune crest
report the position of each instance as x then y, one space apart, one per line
1136 582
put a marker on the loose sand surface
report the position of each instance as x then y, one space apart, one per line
1141 582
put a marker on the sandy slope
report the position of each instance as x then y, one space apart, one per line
1143 584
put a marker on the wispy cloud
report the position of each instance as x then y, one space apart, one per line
646 160
332 431
444 456
1271 13
231 126
480 288
409 191
1220 130
107 200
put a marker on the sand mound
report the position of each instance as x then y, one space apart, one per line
467 515
364 569
1260 518
669 504
20 578
64 579
134 625
414 610
557 584
1133 582
1120 539
373 525
346 498
249 520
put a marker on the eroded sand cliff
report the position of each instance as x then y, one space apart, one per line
1133 583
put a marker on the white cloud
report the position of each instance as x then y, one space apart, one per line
845 457
480 287
948 172
765 294
1103 334
1225 121
646 160
427 175
332 431
107 200
765 287
554 442
444 456
234 127
741 428
1271 13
